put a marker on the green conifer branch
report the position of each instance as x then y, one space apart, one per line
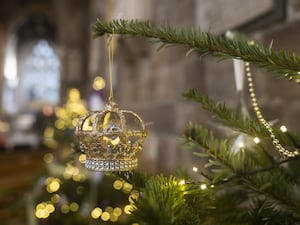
161 201
257 177
282 63
238 122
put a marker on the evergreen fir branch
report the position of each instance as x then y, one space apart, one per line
254 163
160 202
278 193
282 63
262 210
238 122
274 182
220 161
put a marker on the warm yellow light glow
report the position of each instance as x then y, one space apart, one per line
127 187
127 209
75 170
203 186
256 140
48 158
109 209
69 171
241 144
117 211
65 208
113 218
41 205
55 198
74 207
99 83
82 158
44 209
59 124
61 113
50 208
105 216
283 129
79 177
49 132
182 182
53 185
118 185
80 190
133 196
74 122
251 42
42 214
96 213
212 186
195 169
74 94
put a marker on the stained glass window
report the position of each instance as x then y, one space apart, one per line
40 79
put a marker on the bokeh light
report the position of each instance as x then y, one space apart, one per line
48 158
105 216
118 185
53 184
96 213
99 83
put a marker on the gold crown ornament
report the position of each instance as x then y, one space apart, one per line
111 138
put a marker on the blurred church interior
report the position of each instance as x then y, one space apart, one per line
52 69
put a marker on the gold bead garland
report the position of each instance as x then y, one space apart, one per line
284 152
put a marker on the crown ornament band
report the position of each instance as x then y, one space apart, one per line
111 138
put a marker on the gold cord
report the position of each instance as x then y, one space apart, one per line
284 152
110 46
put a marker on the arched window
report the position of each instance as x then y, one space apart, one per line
39 76
31 66
31 79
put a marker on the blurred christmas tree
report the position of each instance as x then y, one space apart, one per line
256 184
66 193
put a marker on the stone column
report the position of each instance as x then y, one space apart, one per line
1 65
73 41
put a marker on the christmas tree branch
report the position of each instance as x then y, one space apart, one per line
258 171
252 173
281 63
239 123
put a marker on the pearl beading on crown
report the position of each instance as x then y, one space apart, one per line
111 138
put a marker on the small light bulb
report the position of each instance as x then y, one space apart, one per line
241 144
256 140
195 169
203 186
96 213
283 129
182 182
